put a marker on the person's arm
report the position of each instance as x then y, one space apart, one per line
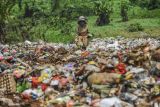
77 31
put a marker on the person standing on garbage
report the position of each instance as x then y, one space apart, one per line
82 32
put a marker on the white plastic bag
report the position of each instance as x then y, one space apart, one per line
110 102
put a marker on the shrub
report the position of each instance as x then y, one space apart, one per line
135 27
103 8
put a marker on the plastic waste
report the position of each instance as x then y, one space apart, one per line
111 72
110 102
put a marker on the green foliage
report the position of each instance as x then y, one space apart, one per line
55 5
44 25
103 8
134 2
135 27
66 29
73 9
138 12
125 4
149 4
12 31
143 3
51 20
153 4
5 9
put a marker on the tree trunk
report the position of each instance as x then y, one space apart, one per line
124 14
28 11
103 19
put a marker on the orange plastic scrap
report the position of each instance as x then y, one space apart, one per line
35 82
85 54
70 103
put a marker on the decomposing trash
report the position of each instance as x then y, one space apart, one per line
110 72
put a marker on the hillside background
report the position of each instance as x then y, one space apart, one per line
56 20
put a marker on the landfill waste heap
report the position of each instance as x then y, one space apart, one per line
111 72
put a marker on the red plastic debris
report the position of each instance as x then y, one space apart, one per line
122 68
43 87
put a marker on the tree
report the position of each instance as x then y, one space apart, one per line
124 10
5 8
103 9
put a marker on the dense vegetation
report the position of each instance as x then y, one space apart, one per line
55 20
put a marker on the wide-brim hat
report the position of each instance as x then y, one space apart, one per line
82 18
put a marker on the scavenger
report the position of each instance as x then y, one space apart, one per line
82 32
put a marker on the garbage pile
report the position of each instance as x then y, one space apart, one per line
109 73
